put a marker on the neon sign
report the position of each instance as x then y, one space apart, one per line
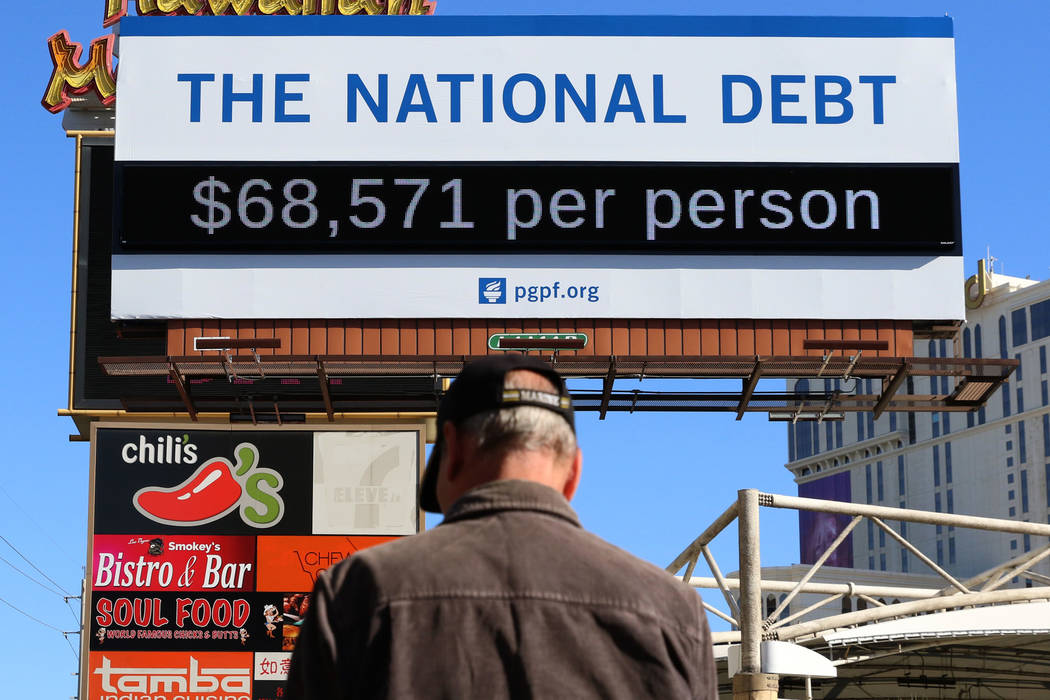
72 75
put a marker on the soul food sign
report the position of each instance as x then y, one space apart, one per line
77 74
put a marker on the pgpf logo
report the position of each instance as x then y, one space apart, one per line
492 290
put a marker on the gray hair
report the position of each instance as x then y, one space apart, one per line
522 428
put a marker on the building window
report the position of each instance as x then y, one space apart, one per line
791 443
1042 359
1012 511
1046 435
1040 320
771 604
948 462
860 427
1009 478
1019 323
893 418
871 535
951 500
978 352
936 465
935 424
882 537
904 560
1009 445
1005 393
867 482
900 475
878 481
827 435
1024 491
951 550
940 552
882 561
838 434
1009 461
904 525
1002 337
1013 544
1020 398
937 502
1019 372
871 565
1010 495
1027 543
1048 489
1022 450
1043 387
967 345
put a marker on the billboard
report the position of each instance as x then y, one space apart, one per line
205 544
818 530
550 167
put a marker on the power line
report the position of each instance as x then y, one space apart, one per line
29 516
56 584
44 586
19 610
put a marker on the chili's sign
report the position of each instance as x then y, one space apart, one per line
78 71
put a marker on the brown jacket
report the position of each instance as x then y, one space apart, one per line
508 598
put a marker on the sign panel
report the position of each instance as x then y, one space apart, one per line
589 167
206 543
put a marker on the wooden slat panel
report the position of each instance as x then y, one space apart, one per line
673 337
708 337
638 338
530 325
425 337
727 344
193 330
479 337
336 338
868 331
884 331
209 328
176 343
300 337
850 330
283 330
763 338
371 338
905 338
353 339
745 337
389 337
797 331
318 338
264 329
443 336
586 326
815 331
621 337
833 331
691 337
460 337
657 340
602 340
781 337
408 337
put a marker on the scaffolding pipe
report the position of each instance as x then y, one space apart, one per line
922 557
734 609
705 537
906 515
824 588
814 569
863 617
750 598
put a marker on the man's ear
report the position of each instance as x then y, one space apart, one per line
453 450
573 479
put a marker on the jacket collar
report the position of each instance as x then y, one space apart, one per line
511 494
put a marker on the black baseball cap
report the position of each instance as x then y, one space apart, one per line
479 388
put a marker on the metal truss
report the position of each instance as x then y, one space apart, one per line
743 596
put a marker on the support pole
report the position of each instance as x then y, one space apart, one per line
750 683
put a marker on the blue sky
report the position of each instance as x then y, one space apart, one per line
651 482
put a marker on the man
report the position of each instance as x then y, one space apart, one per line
509 597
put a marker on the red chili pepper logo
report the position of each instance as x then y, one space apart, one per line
214 491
